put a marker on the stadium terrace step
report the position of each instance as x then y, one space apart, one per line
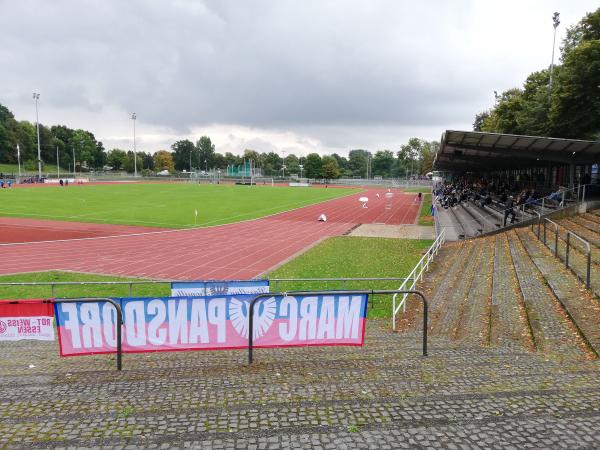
473 326
445 316
589 235
552 329
509 323
583 221
591 217
578 302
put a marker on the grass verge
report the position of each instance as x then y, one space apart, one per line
424 189
354 257
24 292
425 217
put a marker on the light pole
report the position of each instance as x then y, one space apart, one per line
19 158
190 160
74 169
205 166
134 117
555 19
36 97
57 164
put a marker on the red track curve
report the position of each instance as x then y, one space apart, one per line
235 251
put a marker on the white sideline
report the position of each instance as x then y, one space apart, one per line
421 266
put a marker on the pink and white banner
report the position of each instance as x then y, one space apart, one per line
210 323
27 319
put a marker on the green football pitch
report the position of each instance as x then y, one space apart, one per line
158 205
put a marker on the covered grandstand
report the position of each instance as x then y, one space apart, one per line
546 161
483 172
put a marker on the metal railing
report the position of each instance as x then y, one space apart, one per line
546 220
568 245
118 323
275 282
415 275
54 284
367 292
589 255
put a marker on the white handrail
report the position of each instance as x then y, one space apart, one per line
414 277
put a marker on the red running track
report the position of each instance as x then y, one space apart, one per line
236 251
30 230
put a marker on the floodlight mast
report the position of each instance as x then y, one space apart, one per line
556 23
36 97
134 117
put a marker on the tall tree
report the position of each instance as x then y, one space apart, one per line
163 160
357 162
116 158
206 152
182 152
312 167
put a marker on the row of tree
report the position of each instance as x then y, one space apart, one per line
60 141
568 106
415 157
89 152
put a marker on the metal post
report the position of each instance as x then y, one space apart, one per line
57 163
543 200
130 290
589 268
583 194
544 232
556 22
118 324
568 248
556 241
36 97
74 170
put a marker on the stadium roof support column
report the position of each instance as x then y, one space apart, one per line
572 175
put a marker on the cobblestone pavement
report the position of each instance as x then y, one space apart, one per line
384 395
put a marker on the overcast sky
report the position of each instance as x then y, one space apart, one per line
295 76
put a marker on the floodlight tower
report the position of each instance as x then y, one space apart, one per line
36 97
134 117
556 20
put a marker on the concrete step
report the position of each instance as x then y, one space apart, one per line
578 302
552 330
509 322
474 320
453 285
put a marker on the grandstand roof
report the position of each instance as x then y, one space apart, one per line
477 151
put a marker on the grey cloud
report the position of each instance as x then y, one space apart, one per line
329 67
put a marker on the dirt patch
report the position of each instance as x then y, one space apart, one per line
394 231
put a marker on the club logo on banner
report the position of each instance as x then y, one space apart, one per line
210 323
224 287
26 320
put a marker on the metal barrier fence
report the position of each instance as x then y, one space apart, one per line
415 275
119 314
405 292
568 246
119 318
54 284
276 283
